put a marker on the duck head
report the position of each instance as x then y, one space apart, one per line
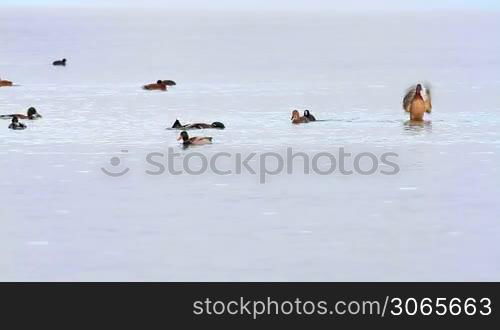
64 60
217 124
32 113
159 82
183 136
295 115
306 113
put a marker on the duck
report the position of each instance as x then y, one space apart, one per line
417 102
309 116
31 114
16 125
297 119
60 62
5 83
160 85
169 82
215 124
196 140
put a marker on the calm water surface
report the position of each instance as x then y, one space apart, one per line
62 219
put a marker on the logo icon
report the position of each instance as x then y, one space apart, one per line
115 162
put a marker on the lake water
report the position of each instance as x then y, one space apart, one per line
63 219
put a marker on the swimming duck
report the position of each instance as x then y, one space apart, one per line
5 83
216 124
186 140
417 101
31 114
160 85
16 125
297 119
60 62
169 82
308 115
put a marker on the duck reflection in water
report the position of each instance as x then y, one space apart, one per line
417 126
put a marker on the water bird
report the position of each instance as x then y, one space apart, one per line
177 124
60 62
159 85
297 119
417 102
309 116
31 114
195 140
5 83
16 125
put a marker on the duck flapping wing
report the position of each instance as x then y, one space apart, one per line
427 98
410 94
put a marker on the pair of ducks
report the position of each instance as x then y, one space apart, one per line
31 114
159 85
196 140
199 140
297 119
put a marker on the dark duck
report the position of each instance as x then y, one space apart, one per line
177 124
60 62
16 125
309 116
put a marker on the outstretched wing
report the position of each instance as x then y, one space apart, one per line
410 94
428 98
169 82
